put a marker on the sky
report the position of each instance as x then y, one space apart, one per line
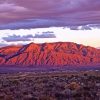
25 21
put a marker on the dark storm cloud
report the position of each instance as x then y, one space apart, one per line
45 35
16 38
45 13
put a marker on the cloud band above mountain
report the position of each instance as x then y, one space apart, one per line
53 34
45 13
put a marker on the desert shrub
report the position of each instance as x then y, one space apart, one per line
60 96
15 82
9 97
47 98
32 98
2 97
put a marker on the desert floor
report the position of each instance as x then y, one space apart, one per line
61 85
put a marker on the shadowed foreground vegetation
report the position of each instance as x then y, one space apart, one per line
83 85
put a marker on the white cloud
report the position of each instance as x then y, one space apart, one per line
86 37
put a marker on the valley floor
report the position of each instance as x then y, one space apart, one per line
67 85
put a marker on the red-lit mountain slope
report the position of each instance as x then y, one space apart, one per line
55 54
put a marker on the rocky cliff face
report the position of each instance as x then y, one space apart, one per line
55 54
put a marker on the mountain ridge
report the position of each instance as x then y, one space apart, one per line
50 54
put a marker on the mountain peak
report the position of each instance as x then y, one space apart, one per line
32 47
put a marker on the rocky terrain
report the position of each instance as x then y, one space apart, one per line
50 54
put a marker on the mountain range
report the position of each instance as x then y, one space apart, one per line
50 54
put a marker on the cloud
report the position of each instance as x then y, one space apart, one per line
15 38
3 44
42 23
31 23
5 7
84 27
10 11
45 35
63 34
54 13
